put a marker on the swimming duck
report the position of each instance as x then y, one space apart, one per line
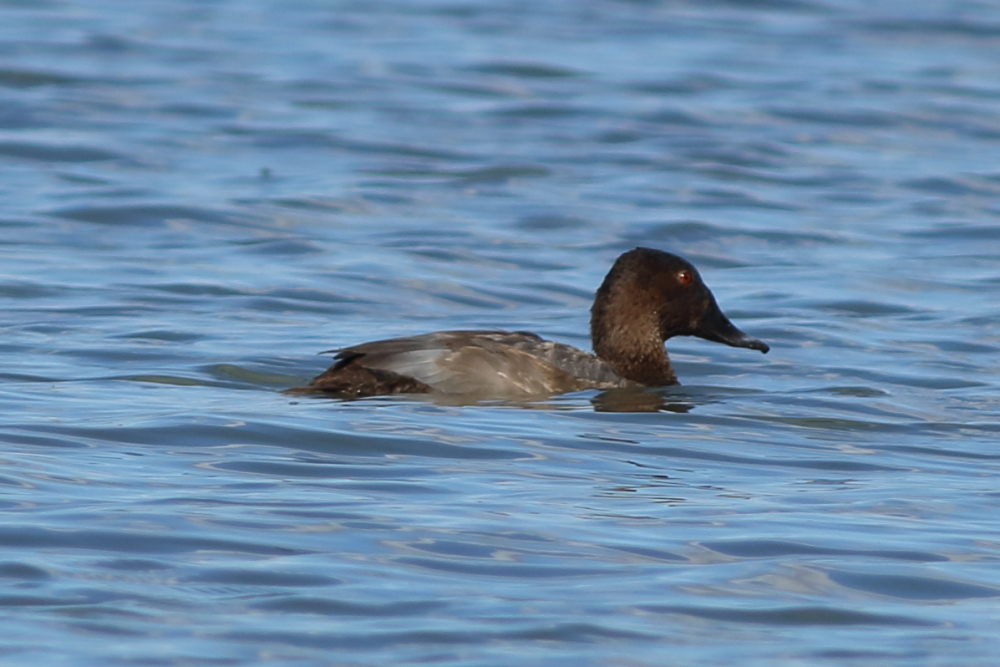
647 297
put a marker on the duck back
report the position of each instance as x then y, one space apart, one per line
473 363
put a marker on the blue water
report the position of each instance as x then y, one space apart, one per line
198 197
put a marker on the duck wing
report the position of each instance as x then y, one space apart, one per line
486 364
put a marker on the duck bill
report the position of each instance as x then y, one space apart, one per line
716 327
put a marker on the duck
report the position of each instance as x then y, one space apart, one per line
647 297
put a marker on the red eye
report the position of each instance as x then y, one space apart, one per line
684 277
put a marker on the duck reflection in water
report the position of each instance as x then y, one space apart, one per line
648 297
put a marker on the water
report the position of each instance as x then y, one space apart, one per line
197 197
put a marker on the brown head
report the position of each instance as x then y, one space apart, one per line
647 297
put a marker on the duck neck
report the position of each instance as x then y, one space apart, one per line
636 357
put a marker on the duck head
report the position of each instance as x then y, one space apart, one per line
648 297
